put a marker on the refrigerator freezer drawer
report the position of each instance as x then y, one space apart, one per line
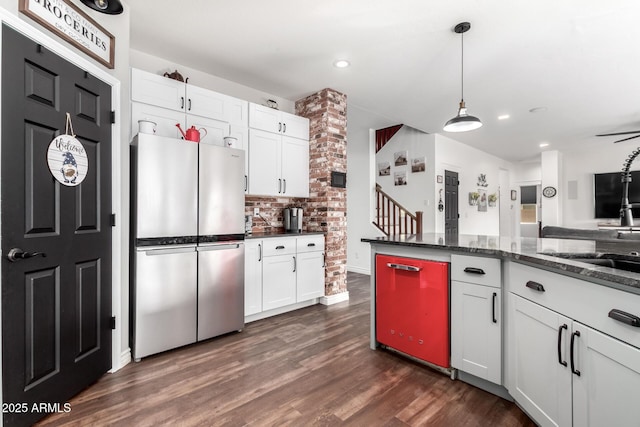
165 299
220 289
412 307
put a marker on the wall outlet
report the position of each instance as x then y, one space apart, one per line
256 211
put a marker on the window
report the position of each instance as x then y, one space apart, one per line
528 205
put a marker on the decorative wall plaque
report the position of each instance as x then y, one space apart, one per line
70 23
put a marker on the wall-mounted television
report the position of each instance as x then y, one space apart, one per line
608 194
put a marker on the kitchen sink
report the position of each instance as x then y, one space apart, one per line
629 263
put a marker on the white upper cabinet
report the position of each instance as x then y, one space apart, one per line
160 91
271 120
164 119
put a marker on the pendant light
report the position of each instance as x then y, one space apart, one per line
462 122
111 7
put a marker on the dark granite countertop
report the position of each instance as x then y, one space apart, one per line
551 254
281 234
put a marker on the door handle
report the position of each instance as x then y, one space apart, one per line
493 306
294 264
189 104
624 317
284 182
573 369
16 254
284 128
222 247
181 102
560 361
279 126
279 185
474 270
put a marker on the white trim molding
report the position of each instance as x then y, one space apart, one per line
335 298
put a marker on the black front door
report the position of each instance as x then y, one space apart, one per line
450 203
56 304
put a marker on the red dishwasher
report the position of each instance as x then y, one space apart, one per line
412 307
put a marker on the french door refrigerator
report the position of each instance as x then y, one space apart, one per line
188 252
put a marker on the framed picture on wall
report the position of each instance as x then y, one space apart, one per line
482 201
419 164
400 178
384 169
400 158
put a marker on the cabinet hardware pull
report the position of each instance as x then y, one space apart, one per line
624 317
279 186
259 251
535 286
284 185
280 247
324 259
403 267
294 264
573 336
246 183
493 314
474 270
279 126
189 104
560 361
284 128
311 245
181 102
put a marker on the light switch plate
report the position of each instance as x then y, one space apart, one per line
256 211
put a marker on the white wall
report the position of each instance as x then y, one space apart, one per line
469 163
418 194
360 184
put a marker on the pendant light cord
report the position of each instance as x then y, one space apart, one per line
462 67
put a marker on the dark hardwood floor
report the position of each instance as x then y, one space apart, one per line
309 367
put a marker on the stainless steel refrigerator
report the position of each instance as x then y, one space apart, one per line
188 250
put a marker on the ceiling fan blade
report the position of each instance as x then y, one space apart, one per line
626 139
620 133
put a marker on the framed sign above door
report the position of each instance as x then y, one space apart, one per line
64 19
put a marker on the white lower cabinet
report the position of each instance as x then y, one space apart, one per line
541 384
281 272
476 330
561 369
476 317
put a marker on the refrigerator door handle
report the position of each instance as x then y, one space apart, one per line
167 251
218 247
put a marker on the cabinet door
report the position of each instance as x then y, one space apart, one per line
605 392
295 167
165 119
205 103
539 382
278 281
310 275
265 118
252 277
295 126
236 111
264 163
476 330
214 130
157 90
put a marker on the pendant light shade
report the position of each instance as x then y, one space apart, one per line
462 122
111 7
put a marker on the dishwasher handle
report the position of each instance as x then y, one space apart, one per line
218 247
403 267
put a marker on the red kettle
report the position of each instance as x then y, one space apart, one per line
192 134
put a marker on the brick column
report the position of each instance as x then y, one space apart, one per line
327 206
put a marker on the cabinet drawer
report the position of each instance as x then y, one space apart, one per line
310 244
478 270
586 302
279 246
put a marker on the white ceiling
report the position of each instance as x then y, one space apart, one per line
578 58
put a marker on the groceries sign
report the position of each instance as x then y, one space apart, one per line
66 20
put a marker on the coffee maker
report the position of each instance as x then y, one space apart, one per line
292 219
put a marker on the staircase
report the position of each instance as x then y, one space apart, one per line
392 218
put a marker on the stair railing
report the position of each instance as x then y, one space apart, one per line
392 218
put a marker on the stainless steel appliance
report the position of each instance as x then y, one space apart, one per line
292 218
188 223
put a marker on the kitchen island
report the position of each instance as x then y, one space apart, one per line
537 321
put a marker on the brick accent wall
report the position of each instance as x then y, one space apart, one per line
326 208
270 219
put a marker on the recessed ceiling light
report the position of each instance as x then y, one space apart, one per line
538 110
341 63
503 117
544 144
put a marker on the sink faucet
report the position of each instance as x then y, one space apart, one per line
626 217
